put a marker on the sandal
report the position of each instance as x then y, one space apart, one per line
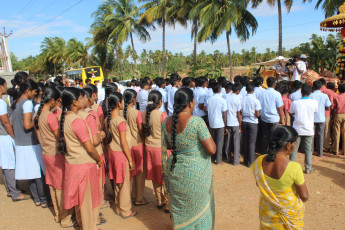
102 221
38 204
25 197
105 204
130 215
141 203
44 205
160 206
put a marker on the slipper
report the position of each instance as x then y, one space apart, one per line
160 206
102 221
26 197
44 206
167 211
130 215
38 204
143 202
106 204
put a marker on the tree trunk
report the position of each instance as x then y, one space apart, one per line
229 52
134 56
118 61
195 40
280 47
163 54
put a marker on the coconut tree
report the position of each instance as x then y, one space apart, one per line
288 5
76 52
330 7
54 50
125 22
160 11
225 16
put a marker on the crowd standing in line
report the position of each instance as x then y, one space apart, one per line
63 140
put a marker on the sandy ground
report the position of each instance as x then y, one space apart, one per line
236 197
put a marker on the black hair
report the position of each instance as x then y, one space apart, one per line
237 79
19 77
222 81
250 88
58 79
113 100
2 81
68 96
200 81
271 81
341 88
143 83
216 87
93 88
258 81
160 82
323 81
87 80
108 88
115 79
49 93
173 80
331 85
187 81
60 88
41 88
82 92
236 87
182 99
317 85
245 80
228 86
153 101
27 84
128 96
281 136
211 82
88 92
306 90
297 84
175 75
284 90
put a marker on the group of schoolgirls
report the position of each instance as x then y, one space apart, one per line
64 143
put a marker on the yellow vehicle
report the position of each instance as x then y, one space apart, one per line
94 73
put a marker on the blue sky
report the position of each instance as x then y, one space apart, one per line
25 17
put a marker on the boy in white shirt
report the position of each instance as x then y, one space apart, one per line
304 111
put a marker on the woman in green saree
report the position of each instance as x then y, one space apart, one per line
187 171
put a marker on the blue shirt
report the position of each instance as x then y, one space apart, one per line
296 95
3 107
323 101
250 104
164 99
142 99
258 91
270 100
233 102
199 97
167 88
209 94
171 96
216 105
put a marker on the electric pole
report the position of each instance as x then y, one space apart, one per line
5 52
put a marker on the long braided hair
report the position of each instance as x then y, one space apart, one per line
153 101
49 94
281 136
108 88
182 99
113 100
68 96
27 84
128 96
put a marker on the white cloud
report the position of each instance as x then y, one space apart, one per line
268 10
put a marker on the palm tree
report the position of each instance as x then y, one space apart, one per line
219 16
288 4
330 7
54 50
125 22
76 52
160 11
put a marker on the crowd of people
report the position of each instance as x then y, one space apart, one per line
66 140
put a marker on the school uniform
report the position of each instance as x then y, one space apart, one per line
243 91
270 101
54 166
304 111
216 106
143 99
82 188
119 167
164 99
57 112
167 88
339 123
7 156
153 150
258 91
134 118
29 161
319 119
199 97
287 104
296 95
209 93
171 95
232 139
250 104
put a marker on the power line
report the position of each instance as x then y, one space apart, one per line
21 35
24 8
48 6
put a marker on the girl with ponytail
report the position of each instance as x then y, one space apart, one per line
108 88
153 119
120 159
29 161
82 188
135 123
37 99
276 174
7 156
189 164
58 108
47 129
95 107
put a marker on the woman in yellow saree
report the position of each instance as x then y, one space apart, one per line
281 182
